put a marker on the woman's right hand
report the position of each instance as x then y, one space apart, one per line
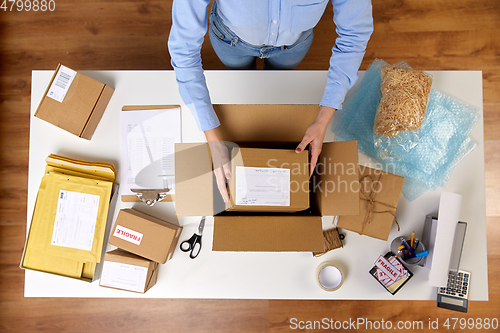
220 161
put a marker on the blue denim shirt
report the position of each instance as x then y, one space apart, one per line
266 22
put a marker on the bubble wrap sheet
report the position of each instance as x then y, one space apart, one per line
444 135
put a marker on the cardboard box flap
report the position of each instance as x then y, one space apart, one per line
264 122
193 180
335 182
268 234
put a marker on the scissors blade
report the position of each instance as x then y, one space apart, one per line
201 226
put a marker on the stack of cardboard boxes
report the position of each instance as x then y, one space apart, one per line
143 243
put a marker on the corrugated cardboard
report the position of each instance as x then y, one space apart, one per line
125 257
82 107
268 233
275 158
335 182
155 239
261 126
379 192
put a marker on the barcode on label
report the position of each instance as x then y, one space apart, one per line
62 80
61 83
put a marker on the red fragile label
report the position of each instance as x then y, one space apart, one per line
388 268
128 235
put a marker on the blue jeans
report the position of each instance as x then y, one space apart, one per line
238 54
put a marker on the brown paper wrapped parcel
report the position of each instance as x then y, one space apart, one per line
379 194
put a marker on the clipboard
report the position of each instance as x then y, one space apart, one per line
149 196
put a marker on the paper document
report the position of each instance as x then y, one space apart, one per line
75 221
124 276
62 82
147 153
448 216
262 186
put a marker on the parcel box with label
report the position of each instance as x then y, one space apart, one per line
74 102
145 235
127 271
268 180
333 190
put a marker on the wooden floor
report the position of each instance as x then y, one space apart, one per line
132 34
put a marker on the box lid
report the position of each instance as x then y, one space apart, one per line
193 180
284 123
335 182
268 233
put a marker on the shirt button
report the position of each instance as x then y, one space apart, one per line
272 33
274 21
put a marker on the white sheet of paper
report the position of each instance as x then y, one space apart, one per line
123 276
147 149
75 221
262 186
62 82
448 217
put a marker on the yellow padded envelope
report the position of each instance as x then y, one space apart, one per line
67 229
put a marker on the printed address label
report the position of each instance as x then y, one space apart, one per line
128 235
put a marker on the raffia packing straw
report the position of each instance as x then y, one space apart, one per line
405 94
379 196
332 240
329 276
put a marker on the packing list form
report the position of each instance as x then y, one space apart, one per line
262 186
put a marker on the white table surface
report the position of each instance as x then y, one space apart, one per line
259 275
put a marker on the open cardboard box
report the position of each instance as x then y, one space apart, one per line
333 190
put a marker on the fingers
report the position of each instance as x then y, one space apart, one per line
314 152
312 166
227 170
303 144
221 184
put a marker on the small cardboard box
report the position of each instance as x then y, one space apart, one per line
379 193
145 235
269 167
196 193
74 102
126 271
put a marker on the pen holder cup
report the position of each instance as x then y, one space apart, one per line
396 243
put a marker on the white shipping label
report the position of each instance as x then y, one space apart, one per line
124 276
61 83
75 221
128 235
262 186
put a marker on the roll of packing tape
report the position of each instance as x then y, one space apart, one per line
329 276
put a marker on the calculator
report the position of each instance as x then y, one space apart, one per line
456 293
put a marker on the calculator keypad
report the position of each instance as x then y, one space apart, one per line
458 285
